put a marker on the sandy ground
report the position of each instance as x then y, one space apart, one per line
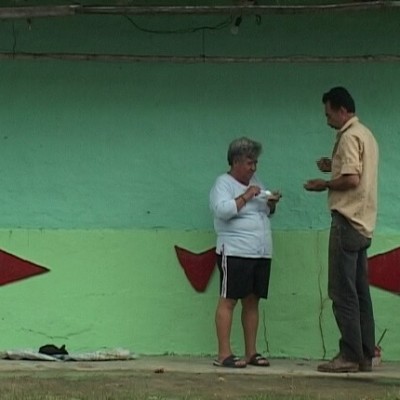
154 378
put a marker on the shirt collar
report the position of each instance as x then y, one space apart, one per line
347 125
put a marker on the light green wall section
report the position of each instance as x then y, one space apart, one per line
105 288
114 288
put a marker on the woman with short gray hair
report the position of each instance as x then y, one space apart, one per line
241 206
243 147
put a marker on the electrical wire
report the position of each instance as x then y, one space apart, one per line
223 24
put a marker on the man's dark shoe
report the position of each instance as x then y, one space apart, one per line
365 365
339 364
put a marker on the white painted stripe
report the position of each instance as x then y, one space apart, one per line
224 267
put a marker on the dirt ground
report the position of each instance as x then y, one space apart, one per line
154 385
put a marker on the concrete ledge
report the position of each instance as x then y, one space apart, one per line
194 365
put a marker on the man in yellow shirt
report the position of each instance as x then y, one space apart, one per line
352 199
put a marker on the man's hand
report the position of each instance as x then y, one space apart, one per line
324 164
316 185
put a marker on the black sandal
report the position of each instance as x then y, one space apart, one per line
230 362
258 360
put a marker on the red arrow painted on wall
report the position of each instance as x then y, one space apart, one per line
383 269
198 267
13 268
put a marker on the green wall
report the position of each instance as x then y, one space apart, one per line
113 288
138 146
105 166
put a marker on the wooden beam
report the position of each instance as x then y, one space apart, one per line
239 9
37 11
70 10
132 58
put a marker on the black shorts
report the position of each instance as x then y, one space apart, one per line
240 277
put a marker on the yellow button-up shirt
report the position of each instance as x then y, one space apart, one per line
356 152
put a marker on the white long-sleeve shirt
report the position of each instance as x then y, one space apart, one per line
244 233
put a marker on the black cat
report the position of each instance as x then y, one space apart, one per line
52 350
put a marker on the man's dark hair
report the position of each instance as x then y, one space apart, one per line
339 97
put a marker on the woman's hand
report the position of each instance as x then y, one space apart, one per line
251 192
273 199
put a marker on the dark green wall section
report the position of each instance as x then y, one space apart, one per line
125 145
88 145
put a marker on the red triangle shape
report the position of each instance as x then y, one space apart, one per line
198 268
384 270
13 268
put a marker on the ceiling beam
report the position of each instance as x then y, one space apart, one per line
70 10
132 58
37 11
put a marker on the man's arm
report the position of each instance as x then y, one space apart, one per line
343 182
